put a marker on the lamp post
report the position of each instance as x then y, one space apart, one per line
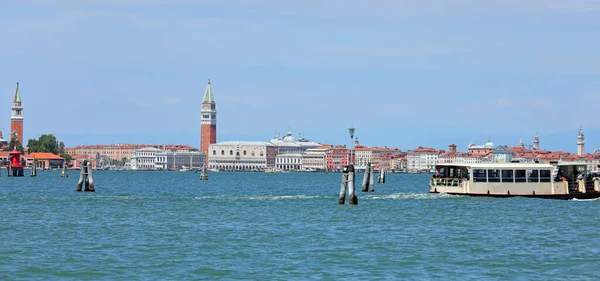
351 131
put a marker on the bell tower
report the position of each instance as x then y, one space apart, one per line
208 120
580 143
536 141
16 119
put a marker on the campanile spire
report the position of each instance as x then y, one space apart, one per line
208 120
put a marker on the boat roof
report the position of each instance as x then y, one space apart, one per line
496 165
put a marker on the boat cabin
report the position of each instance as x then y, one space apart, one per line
557 180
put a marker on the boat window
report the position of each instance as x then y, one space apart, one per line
545 175
493 175
520 176
507 176
534 176
479 175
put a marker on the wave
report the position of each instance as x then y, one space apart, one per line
583 200
261 198
405 196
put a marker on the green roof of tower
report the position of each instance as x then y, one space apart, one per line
208 95
17 95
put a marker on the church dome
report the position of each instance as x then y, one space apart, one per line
288 137
489 144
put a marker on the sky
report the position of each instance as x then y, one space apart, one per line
403 73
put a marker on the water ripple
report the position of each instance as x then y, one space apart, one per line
256 226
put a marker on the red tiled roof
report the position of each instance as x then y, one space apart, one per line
44 155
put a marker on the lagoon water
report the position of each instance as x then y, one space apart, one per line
284 226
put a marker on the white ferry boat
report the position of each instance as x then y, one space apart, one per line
555 181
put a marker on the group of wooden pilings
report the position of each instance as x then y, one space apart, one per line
86 180
348 179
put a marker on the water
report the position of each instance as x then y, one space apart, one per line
258 226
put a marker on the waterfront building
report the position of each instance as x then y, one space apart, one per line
46 160
290 151
364 155
338 157
169 160
422 159
315 158
398 163
16 118
144 158
241 155
122 152
208 120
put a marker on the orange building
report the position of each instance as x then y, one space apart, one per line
46 160
16 119
208 121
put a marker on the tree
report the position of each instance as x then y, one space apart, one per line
67 157
11 145
45 143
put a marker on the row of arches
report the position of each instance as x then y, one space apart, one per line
214 152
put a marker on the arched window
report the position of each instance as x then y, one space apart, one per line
252 153
244 153
214 152
261 153
231 152
237 153
222 152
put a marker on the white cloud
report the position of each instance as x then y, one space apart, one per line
172 101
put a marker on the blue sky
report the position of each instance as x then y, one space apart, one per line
405 73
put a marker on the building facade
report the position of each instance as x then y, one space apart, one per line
422 159
144 158
241 155
338 157
364 155
208 120
122 151
169 160
315 159
16 118
290 151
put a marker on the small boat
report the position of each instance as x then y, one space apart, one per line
273 170
214 170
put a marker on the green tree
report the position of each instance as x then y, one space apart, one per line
45 143
11 145
67 157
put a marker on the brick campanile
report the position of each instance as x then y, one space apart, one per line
208 121
16 119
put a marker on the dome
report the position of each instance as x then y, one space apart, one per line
288 137
489 144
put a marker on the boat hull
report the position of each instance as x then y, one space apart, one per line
591 195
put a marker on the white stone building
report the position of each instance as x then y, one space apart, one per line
144 158
241 155
290 151
169 160
422 159
314 159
